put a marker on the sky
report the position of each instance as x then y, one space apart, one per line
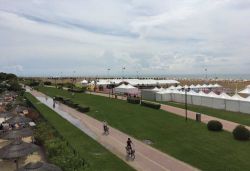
147 37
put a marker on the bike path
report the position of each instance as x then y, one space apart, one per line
147 158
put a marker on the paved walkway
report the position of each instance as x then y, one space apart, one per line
147 158
227 125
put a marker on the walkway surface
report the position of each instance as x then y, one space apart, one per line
147 158
227 125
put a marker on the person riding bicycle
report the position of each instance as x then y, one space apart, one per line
129 144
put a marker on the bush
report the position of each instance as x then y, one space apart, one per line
77 90
241 133
81 108
214 125
151 104
47 83
59 98
133 100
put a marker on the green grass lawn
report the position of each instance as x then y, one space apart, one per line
96 156
189 141
238 117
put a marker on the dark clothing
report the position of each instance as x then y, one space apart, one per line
129 143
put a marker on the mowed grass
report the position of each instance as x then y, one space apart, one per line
97 157
238 117
189 141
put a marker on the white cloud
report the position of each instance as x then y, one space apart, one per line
156 37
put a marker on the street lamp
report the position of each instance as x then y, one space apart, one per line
186 108
123 69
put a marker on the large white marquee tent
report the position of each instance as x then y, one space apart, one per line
235 103
128 89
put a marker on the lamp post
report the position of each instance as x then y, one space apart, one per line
123 69
206 72
186 108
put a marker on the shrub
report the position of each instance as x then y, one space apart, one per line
214 125
81 108
151 104
133 100
77 90
241 133
59 98
47 83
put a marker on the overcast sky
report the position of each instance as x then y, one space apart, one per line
54 37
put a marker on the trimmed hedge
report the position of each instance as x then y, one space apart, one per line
133 100
70 103
151 104
76 90
241 133
214 125
81 108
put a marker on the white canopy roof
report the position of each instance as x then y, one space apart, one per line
192 86
246 90
224 95
217 85
179 87
212 94
156 89
237 97
84 82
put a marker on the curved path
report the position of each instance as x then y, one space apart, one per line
147 158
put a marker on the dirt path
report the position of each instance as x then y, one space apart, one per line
147 158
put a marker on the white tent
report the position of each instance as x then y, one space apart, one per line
179 87
217 85
156 89
245 105
192 86
129 89
84 82
233 104
246 90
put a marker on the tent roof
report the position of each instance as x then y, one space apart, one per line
212 94
237 97
84 81
17 149
192 86
224 96
246 90
39 166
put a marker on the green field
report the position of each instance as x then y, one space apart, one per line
96 157
187 141
238 117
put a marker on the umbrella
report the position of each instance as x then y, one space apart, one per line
17 149
14 134
39 166
6 115
18 119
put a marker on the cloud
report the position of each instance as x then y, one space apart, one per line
155 37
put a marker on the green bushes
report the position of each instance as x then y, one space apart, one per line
133 100
47 83
241 133
77 90
57 150
81 108
151 104
214 125
70 103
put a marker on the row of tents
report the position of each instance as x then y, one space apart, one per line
223 101
133 82
192 87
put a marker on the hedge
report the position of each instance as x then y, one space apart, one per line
133 100
70 103
76 90
81 108
151 104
